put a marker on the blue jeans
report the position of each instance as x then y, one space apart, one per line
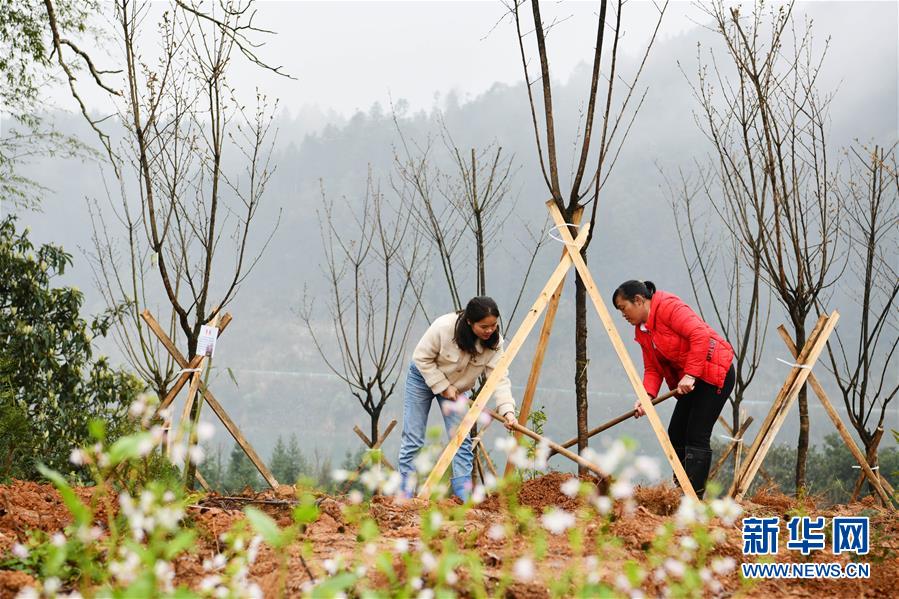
416 405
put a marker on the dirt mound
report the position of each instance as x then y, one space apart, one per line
546 491
12 581
662 500
772 498
27 505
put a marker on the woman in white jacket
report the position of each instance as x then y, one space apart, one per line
454 351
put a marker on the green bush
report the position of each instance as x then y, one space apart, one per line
48 371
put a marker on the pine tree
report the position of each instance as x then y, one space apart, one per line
280 464
301 466
241 472
213 468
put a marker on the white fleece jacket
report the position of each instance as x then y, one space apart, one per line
443 363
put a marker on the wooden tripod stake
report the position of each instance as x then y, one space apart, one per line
208 397
571 257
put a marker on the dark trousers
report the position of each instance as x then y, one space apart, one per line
696 412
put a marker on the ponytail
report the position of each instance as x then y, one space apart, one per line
631 289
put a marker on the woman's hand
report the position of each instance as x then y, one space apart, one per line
510 420
638 409
451 392
686 384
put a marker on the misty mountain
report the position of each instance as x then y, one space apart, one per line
282 384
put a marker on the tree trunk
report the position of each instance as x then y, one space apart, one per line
375 424
802 445
580 371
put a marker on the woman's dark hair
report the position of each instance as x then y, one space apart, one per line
631 289
478 308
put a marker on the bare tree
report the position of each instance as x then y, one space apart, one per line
373 283
461 210
616 119
182 213
726 280
864 366
766 122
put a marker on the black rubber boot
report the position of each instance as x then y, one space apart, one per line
697 462
679 450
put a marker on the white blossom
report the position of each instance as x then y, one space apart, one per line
621 489
205 430
648 467
688 543
519 457
78 457
611 458
424 462
603 504
506 444
356 497
401 546
727 509
391 486
571 487
524 569
541 454
331 565
676 567
723 565
145 446
428 561
339 475
20 551
557 520
496 532
52 585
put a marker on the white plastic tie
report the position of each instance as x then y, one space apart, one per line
559 239
183 370
857 467
731 438
794 364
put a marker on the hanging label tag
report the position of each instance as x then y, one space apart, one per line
206 341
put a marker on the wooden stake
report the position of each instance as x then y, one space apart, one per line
779 400
781 396
502 367
623 356
372 446
764 444
732 446
841 428
210 398
540 352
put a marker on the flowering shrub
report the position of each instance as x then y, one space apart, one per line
125 541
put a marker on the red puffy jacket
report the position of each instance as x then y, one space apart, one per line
678 342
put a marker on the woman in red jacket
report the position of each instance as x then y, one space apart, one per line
679 347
